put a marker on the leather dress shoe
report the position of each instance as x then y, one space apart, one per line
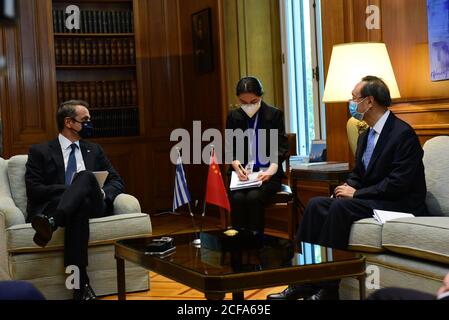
44 227
293 292
85 293
325 294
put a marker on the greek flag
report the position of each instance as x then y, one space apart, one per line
181 195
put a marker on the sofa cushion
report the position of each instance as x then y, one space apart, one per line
16 175
421 237
366 235
102 230
436 163
4 182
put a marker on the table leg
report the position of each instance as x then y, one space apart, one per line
362 280
121 285
214 296
238 296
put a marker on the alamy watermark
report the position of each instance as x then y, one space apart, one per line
373 20
73 280
234 142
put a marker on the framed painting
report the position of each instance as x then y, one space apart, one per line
202 41
438 20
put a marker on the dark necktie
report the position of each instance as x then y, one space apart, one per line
71 165
369 148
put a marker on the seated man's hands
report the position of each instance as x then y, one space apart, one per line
344 191
104 194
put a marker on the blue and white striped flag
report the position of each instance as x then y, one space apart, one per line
181 195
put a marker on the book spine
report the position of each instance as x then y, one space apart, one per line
99 94
134 93
106 102
107 51
94 52
83 52
114 51
132 52
119 53
60 93
88 51
57 52
92 94
76 51
63 51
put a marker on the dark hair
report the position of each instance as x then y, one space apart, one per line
68 110
250 85
378 89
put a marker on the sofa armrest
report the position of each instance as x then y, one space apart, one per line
125 203
4 275
12 214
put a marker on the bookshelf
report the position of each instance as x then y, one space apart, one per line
97 63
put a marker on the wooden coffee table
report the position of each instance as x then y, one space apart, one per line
226 264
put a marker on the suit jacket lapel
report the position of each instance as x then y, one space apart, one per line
383 139
88 157
56 154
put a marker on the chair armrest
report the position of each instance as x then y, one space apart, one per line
125 203
4 275
11 213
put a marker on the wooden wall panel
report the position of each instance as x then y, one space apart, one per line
28 93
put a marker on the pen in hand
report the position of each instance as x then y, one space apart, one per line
243 171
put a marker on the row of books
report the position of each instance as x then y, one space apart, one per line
115 123
100 94
91 51
95 22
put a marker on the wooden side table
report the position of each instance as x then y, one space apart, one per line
315 182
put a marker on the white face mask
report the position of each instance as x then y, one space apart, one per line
251 109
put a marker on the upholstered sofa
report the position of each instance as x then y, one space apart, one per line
410 252
21 259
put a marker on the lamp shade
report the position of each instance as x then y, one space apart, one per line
351 62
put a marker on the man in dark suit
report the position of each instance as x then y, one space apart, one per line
63 191
388 175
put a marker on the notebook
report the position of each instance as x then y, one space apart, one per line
236 184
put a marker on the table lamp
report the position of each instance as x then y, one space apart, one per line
350 62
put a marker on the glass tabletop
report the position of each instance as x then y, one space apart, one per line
221 254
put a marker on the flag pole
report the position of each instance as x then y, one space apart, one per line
197 240
212 149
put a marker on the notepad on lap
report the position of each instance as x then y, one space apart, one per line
384 216
236 184
101 177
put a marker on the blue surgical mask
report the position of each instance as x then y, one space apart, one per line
353 109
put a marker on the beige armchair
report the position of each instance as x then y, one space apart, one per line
354 128
21 259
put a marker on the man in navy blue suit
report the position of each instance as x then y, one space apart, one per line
388 175
19 290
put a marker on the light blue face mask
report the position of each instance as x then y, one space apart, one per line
353 109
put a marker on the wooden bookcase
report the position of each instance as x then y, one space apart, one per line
97 63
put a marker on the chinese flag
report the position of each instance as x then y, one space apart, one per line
216 192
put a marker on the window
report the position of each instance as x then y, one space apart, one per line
302 45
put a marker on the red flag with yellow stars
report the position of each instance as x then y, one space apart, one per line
216 192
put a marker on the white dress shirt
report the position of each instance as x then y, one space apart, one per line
66 149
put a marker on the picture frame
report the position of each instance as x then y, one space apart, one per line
202 41
438 20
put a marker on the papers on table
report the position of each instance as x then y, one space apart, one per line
328 165
236 184
384 216
101 177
